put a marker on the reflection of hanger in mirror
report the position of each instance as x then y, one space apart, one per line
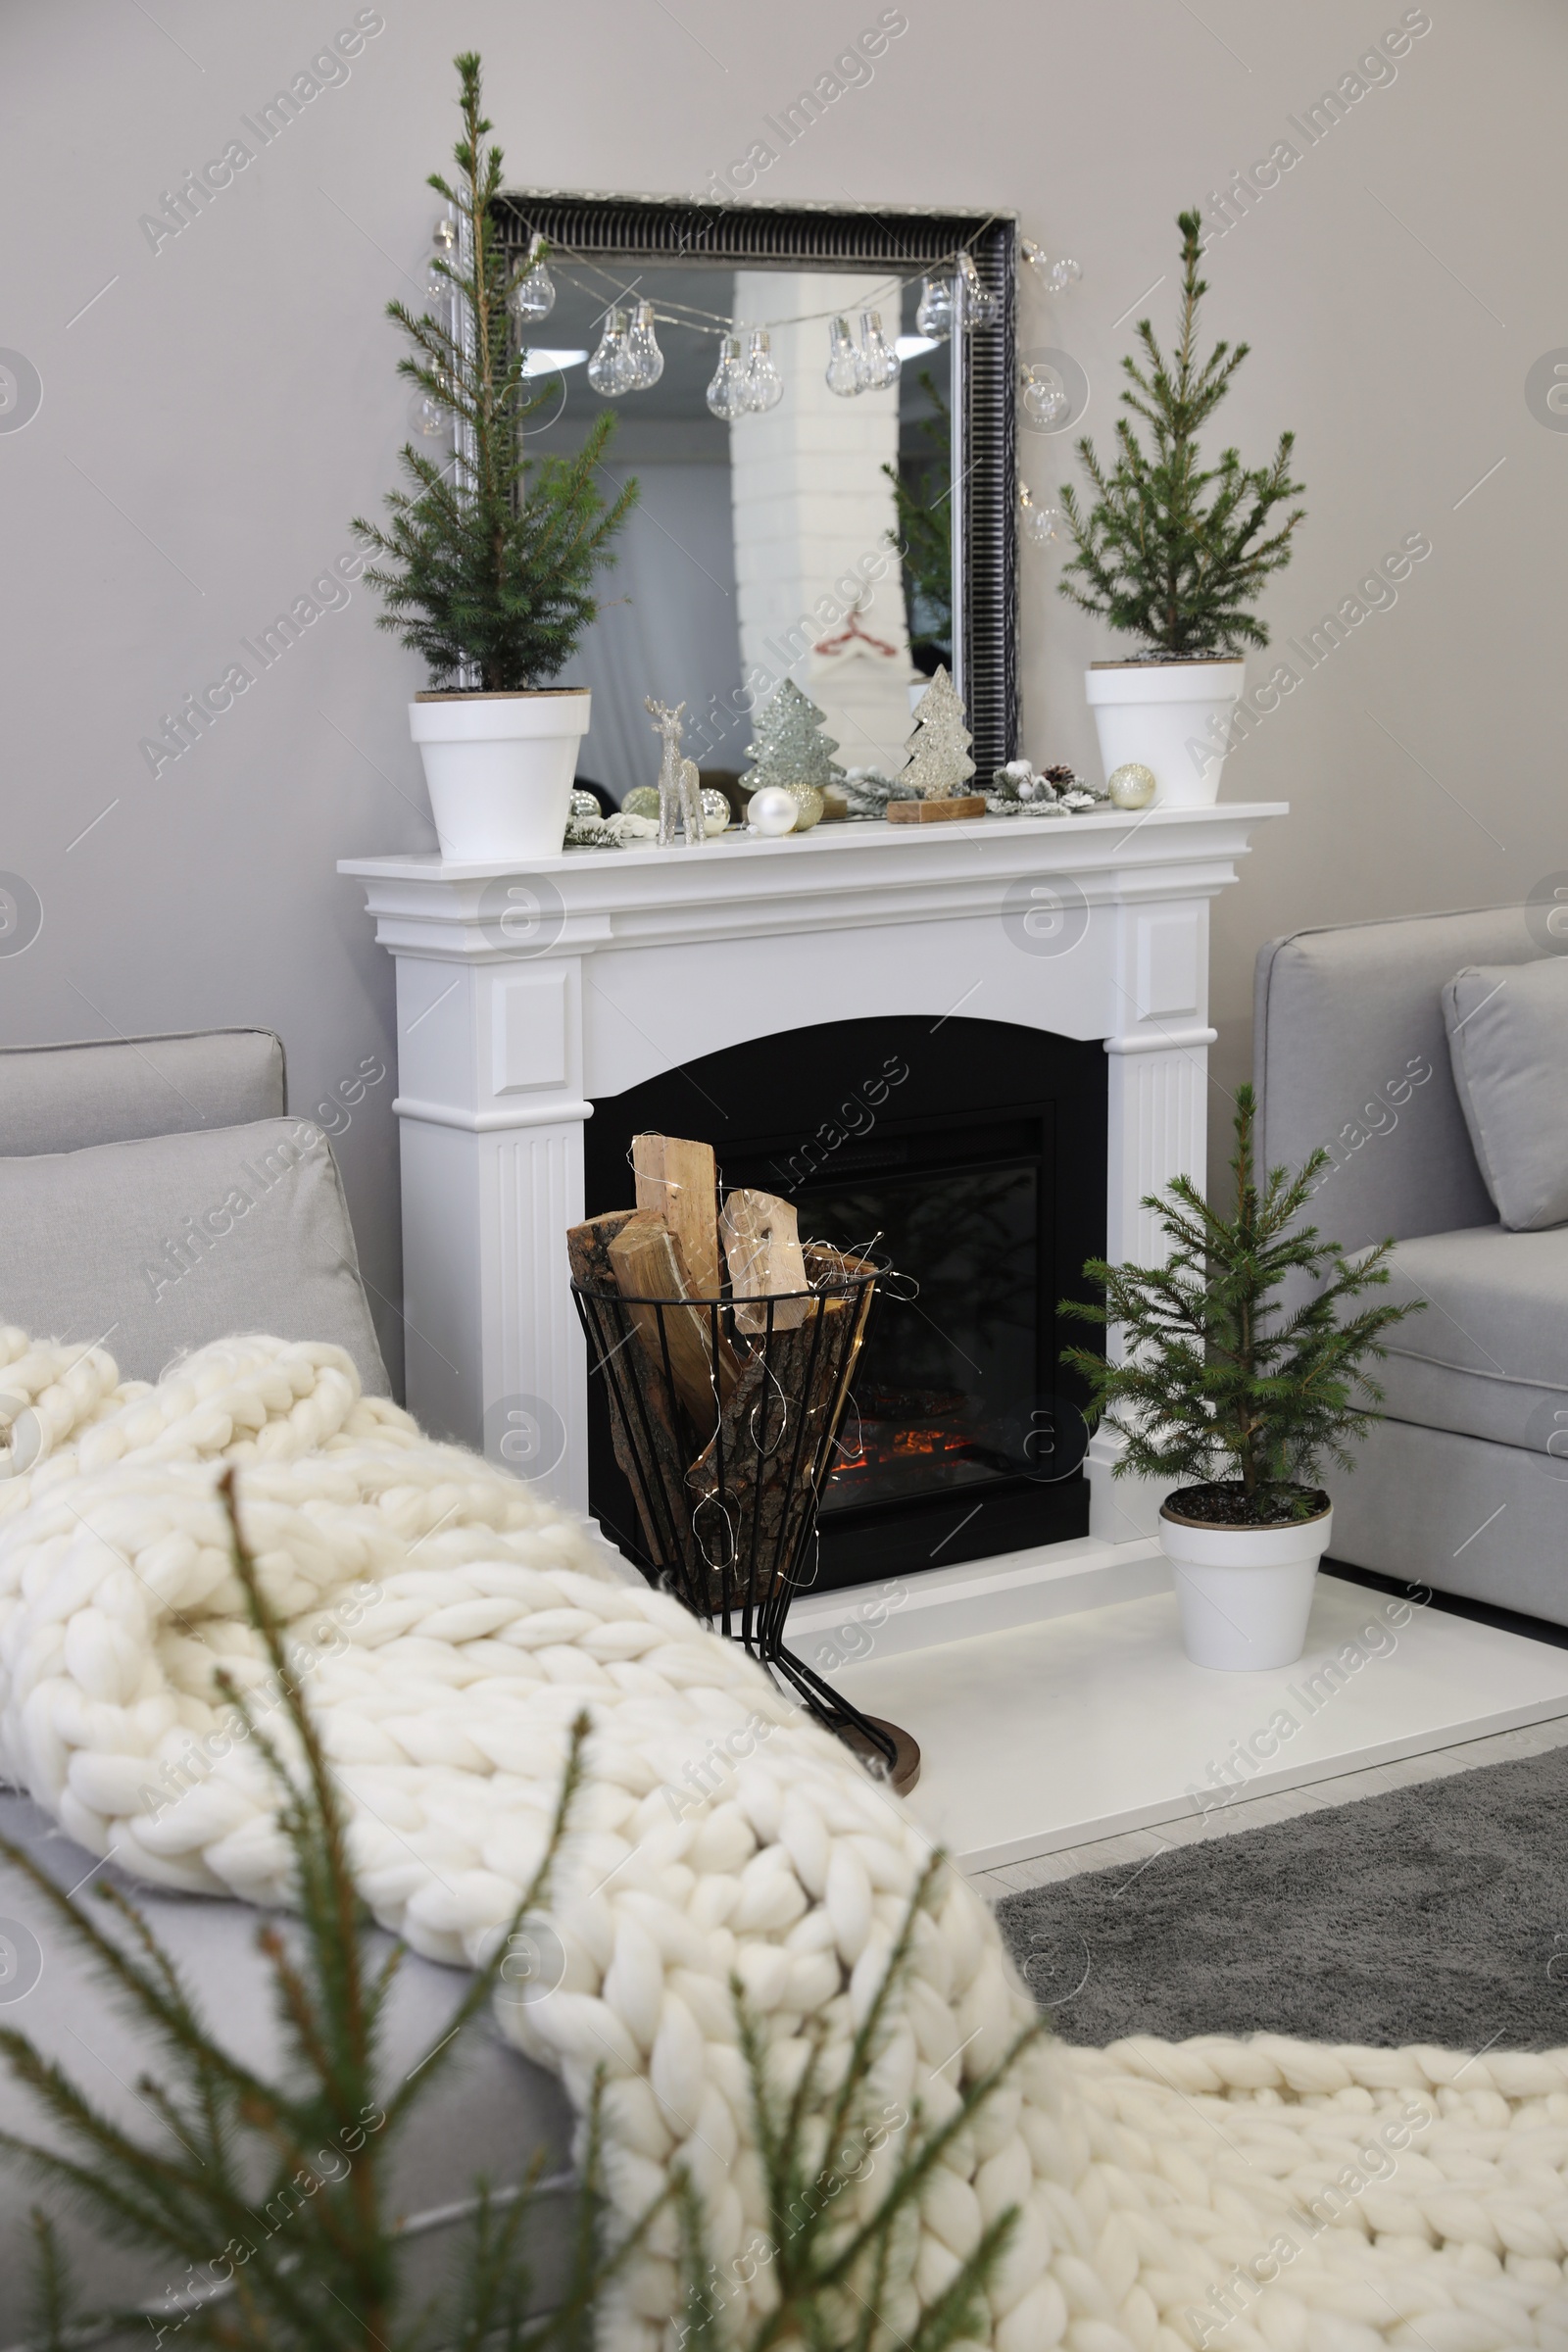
852 637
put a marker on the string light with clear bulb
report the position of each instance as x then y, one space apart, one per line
533 296
1060 275
934 318
844 372
645 360
981 307
1039 524
726 394
438 287
609 369
1044 395
879 362
763 387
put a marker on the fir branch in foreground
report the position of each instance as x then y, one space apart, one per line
270 2198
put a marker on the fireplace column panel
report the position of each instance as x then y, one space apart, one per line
625 965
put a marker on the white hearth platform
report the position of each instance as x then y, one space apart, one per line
1043 1737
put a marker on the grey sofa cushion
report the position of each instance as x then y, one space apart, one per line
1350 1053
491 2112
154 1248
1489 1357
1508 1041
64 1098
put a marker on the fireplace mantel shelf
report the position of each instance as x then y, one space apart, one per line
837 877
527 994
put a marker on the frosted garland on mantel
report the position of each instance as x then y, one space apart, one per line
446 1626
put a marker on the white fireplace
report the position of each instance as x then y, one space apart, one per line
522 998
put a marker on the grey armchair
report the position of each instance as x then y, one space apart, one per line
491 2112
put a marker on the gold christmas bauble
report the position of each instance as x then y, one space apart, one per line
1131 786
715 810
809 802
641 800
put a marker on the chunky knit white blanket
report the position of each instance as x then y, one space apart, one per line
1259 2192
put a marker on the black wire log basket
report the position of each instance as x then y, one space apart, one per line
724 1415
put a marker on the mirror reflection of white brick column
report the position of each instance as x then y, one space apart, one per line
813 510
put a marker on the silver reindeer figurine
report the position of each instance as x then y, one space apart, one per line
680 792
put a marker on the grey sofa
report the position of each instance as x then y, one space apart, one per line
491 2112
1463 1486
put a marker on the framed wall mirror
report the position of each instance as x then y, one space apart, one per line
850 536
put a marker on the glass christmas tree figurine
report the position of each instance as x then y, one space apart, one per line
939 765
791 750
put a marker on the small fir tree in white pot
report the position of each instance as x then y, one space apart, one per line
1175 553
487 563
1226 1388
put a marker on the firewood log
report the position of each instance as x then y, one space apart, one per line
762 1251
648 1447
679 1179
676 1342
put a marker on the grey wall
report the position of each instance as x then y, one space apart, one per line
212 420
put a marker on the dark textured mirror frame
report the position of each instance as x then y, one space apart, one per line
985 469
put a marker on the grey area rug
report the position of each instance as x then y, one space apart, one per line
1435 1914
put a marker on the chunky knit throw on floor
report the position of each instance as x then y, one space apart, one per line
450 1624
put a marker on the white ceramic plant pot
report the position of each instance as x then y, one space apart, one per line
1244 1593
1173 717
499 769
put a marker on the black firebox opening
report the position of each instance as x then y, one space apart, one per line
976 1150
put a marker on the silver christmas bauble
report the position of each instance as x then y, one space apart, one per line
584 804
715 810
771 811
1131 786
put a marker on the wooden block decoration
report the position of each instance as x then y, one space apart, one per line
676 1342
679 1179
762 1251
934 812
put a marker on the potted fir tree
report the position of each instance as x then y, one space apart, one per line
494 555
1229 1390
1174 553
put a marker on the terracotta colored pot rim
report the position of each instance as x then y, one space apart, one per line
1229 1527
498 694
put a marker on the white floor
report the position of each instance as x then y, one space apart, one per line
1136 1849
1047 1740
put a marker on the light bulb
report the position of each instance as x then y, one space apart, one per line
533 295
844 375
934 316
764 386
726 393
879 367
1038 522
608 369
645 359
438 288
1064 275
980 308
1044 395
427 417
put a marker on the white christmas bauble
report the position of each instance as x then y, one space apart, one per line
771 811
1131 786
715 810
